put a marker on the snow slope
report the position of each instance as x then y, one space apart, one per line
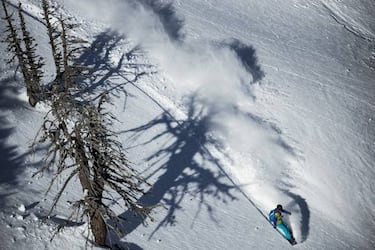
228 108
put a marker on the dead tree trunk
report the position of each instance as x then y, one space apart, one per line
93 188
15 46
53 35
34 62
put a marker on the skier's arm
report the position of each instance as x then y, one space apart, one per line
287 212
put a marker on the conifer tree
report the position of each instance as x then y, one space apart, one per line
53 35
77 130
33 61
89 150
23 49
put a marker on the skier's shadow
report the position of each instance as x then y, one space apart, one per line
185 169
301 204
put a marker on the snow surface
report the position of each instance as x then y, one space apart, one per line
237 106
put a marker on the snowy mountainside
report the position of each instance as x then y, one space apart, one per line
237 106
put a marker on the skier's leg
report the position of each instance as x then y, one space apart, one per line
285 230
271 218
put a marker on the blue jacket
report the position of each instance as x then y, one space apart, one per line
272 216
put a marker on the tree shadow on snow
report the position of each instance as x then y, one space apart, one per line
299 204
109 69
181 167
11 162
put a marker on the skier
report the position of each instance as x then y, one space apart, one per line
276 217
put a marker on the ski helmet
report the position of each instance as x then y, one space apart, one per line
280 207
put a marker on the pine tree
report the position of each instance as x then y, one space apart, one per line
34 62
76 129
23 49
95 157
53 35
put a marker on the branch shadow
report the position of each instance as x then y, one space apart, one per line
181 168
247 56
62 221
166 13
299 203
105 65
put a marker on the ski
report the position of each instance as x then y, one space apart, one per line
292 241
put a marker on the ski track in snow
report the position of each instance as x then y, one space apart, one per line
349 23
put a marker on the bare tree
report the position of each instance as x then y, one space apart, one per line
34 62
89 150
23 49
65 47
76 129
53 35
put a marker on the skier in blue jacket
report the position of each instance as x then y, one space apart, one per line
276 217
